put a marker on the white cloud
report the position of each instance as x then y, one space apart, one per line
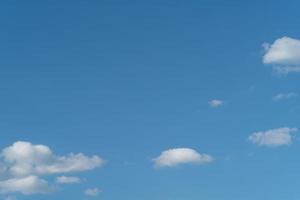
284 96
284 51
174 157
283 55
273 137
215 103
24 158
23 164
68 180
92 192
284 70
27 185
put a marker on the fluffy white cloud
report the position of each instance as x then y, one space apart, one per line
283 96
174 157
215 103
273 137
67 180
27 185
283 55
23 164
24 158
284 51
92 191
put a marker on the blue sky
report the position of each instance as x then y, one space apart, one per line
175 100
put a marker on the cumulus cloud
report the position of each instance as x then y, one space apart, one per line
24 158
27 185
23 164
92 192
284 96
215 103
178 156
273 137
283 55
68 180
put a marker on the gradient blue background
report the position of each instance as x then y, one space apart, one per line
128 79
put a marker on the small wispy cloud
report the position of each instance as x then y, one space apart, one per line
216 103
92 192
284 96
68 180
273 137
284 70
